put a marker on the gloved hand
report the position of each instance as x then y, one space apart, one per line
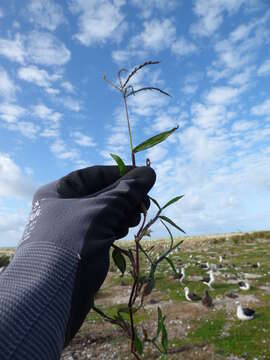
85 212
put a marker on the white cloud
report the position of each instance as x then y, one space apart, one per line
12 224
211 14
26 128
1 13
44 112
163 122
10 112
45 49
68 86
241 125
7 86
208 116
37 76
242 77
231 56
70 103
83 140
52 91
157 153
51 120
148 7
190 89
123 56
59 149
223 95
241 32
201 147
182 47
264 69
240 50
40 48
157 35
13 181
99 20
147 103
13 49
45 13
262 109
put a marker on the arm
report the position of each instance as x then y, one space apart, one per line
63 258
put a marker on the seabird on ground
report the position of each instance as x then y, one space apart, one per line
220 258
209 280
182 275
244 285
256 266
207 300
244 313
191 296
204 266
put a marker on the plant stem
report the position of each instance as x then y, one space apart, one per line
129 129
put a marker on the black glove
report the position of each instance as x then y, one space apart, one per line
86 211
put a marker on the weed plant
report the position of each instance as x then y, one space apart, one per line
138 254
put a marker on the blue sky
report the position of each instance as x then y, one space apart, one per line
57 114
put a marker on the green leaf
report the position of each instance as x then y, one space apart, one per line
172 265
172 201
165 218
154 140
125 309
120 163
164 338
155 202
138 343
119 260
170 233
160 321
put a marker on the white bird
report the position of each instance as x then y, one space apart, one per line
209 280
182 275
220 258
244 313
244 285
191 296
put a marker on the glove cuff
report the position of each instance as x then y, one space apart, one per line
35 300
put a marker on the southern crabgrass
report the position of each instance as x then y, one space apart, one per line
141 282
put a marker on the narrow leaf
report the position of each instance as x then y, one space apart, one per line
138 68
164 338
172 201
119 260
172 265
120 163
170 233
165 218
125 309
160 321
138 343
133 92
154 140
155 202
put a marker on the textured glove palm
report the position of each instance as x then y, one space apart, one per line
86 211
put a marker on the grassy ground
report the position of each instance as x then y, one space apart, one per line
194 331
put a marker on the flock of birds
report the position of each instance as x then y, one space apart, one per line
242 313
